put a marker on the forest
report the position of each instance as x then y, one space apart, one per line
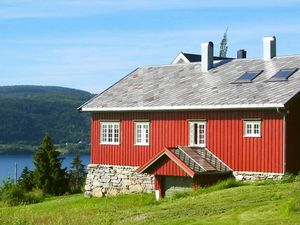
27 113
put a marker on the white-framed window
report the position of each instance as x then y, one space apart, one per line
252 128
110 133
142 133
197 133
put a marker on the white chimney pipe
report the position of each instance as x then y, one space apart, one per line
269 44
207 56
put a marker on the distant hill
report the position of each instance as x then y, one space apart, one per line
28 112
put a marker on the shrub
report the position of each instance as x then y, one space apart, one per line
14 194
288 178
34 196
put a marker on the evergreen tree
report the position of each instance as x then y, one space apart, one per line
77 174
48 174
223 45
26 179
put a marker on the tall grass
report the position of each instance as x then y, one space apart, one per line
225 184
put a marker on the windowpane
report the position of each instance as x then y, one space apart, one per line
252 128
283 74
249 128
142 133
197 133
248 76
110 132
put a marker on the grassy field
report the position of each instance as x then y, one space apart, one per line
275 203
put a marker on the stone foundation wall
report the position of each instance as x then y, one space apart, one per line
252 176
107 180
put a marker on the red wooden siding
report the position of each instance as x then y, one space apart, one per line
165 166
169 129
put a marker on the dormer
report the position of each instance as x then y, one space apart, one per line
184 57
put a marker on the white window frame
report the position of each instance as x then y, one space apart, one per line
144 132
252 128
104 132
198 123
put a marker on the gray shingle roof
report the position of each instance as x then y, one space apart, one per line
184 86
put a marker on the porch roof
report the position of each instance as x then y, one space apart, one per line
192 160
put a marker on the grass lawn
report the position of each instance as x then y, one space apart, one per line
275 203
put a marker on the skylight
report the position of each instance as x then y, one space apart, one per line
248 77
283 74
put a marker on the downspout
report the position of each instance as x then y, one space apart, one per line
283 113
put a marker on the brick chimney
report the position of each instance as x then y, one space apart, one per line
241 54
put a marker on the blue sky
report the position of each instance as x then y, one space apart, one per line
91 44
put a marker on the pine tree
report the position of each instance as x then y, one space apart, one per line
77 174
223 45
48 174
26 179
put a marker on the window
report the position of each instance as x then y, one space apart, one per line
252 128
283 74
197 131
248 77
142 133
110 132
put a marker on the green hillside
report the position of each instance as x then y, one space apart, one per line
28 112
274 203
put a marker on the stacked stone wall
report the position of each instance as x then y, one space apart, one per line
107 180
252 176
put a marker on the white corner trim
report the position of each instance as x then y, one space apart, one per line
157 195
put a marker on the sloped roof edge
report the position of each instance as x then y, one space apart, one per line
173 157
96 96
184 107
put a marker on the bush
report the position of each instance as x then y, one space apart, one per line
14 194
34 196
288 178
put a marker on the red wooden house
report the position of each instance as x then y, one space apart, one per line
191 123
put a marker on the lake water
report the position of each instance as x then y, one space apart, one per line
7 164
